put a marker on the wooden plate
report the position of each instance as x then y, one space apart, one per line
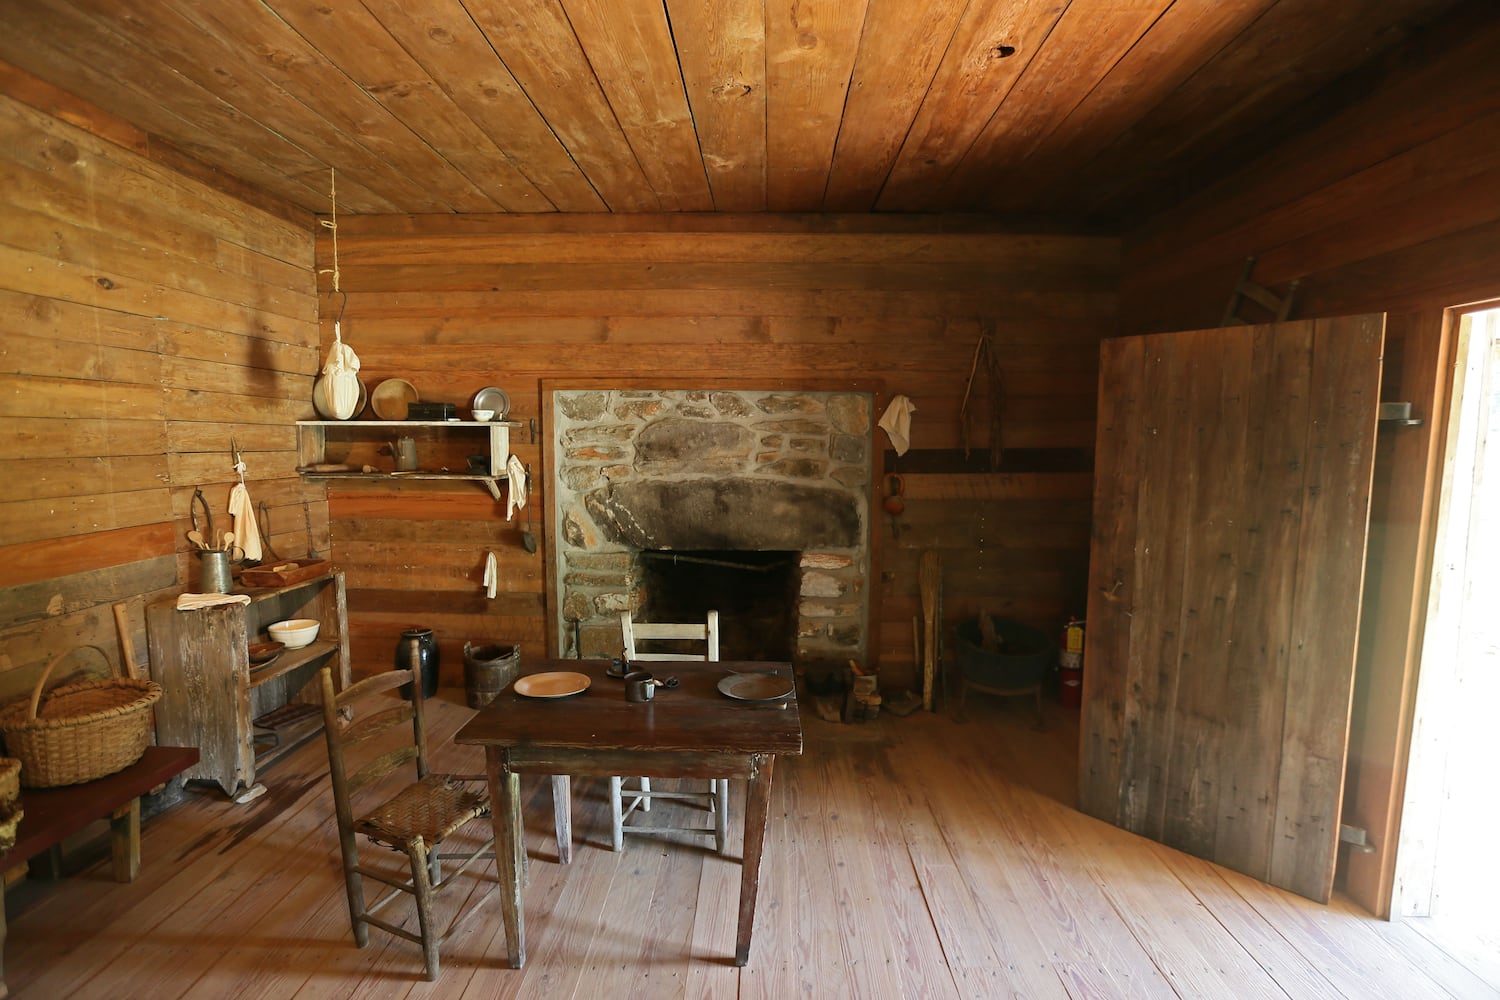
756 687
554 684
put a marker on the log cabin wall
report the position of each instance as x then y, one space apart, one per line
456 303
145 318
1390 205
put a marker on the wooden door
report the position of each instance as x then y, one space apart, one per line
1231 499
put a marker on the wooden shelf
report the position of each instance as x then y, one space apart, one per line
315 436
273 743
289 660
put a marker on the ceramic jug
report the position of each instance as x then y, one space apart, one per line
419 640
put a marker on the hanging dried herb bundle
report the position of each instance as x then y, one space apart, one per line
985 350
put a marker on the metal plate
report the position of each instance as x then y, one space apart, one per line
492 398
553 684
756 687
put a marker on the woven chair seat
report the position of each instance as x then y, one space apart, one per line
432 808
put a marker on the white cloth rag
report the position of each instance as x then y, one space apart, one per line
192 602
246 532
491 576
515 493
897 423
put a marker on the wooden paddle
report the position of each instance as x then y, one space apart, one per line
929 579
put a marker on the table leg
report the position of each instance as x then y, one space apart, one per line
505 816
125 841
3 991
757 812
562 816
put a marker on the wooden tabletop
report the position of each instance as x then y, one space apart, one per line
694 716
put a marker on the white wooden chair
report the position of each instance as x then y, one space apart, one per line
625 800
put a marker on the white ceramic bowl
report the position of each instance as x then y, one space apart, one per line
296 632
484 415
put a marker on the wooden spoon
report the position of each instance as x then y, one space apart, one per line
196 537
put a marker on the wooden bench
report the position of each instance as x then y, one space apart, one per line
50 814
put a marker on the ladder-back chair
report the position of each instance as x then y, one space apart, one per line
624 799
414 818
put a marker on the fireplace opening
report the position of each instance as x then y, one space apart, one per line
755 593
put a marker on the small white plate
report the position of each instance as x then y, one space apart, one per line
756 687
492 398
554 684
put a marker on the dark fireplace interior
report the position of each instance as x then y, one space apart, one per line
755 593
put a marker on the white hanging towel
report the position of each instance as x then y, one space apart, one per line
491 576
246 532
897 423
192 602
515 493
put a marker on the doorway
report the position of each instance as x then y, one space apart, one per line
1447 879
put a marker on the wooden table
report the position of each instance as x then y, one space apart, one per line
50 814
691 731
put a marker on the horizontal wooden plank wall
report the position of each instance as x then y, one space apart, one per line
1392 205
457 303
145 318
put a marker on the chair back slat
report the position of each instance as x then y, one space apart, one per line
378 767
707 632
369 726
386 680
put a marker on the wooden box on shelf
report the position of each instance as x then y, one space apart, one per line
243 717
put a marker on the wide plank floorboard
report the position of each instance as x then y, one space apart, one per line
926 857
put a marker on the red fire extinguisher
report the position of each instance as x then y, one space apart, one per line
1070 664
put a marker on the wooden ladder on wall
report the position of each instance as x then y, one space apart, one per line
1279 306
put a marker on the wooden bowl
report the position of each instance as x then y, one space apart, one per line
391 397
264 652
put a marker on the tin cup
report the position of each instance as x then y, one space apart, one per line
639 686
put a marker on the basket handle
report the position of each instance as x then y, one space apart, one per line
36 695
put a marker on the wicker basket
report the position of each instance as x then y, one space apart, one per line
10 780
79 732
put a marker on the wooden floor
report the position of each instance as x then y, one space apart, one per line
916 857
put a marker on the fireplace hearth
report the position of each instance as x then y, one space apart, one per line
755 504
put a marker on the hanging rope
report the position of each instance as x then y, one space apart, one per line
342 389
332 223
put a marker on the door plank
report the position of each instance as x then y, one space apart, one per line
1111 575
1330 579
1210 596
1257 664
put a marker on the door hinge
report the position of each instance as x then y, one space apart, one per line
1398 414
1356 838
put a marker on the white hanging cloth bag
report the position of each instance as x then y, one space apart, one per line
340 371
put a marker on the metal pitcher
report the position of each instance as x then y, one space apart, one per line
405 451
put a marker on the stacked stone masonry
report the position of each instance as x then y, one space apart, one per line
713 470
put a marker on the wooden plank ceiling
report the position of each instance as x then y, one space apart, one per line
1081 112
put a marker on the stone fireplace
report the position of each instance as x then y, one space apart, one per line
757 502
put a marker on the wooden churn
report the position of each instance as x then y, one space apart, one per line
488 670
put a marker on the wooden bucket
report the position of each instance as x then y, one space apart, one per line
488 670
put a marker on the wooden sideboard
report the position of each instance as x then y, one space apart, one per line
243 717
